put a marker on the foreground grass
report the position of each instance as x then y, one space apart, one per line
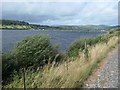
68 74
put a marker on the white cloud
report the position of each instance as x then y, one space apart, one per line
60 0
63 12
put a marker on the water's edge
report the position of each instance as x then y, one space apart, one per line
61 38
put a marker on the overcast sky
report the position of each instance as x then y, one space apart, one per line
62 13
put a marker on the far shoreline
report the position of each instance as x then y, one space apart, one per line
23 25
50 30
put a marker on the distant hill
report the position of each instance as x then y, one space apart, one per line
15 24
86 27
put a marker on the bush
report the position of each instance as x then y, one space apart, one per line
8 65
35 51
114 32
31 52
79 45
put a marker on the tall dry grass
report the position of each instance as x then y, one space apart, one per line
74 73
69 74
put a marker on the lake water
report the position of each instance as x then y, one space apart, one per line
61 38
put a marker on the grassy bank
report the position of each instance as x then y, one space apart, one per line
69 72
23 25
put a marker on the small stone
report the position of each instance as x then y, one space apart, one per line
87 85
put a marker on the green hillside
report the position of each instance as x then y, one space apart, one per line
22 25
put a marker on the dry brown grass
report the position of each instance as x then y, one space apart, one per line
74 73
69 74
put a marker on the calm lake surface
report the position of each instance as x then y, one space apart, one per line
61 38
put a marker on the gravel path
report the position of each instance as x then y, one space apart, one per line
108 77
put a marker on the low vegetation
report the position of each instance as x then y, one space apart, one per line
35 51
32 52
22 25
52 69
82 44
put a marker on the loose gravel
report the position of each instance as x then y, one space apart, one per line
108 77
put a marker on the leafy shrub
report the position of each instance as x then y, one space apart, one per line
35 51
79 45
114 32
8 65
31 52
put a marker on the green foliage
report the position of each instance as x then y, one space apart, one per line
35 51
8 65
115 32
32 52
79 45
13 22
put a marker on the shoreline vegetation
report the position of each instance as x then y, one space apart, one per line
22 25
41 65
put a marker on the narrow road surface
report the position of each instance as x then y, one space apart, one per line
108 76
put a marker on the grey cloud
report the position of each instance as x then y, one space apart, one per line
61 13
27 17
